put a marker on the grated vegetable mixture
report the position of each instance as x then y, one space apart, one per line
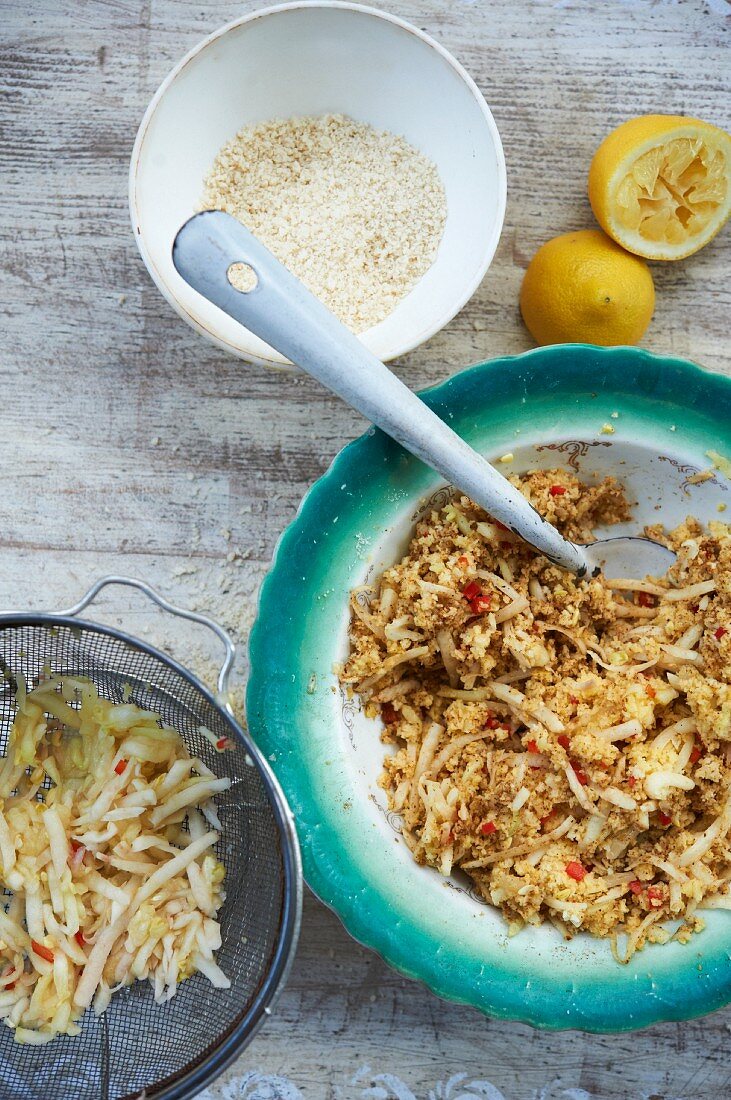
565 742
108 888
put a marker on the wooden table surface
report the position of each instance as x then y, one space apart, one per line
130 445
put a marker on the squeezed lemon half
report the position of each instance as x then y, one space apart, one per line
660 185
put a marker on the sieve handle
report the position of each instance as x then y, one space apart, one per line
181 612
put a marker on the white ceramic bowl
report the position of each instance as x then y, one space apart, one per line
309 59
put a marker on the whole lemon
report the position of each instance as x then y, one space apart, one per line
581 287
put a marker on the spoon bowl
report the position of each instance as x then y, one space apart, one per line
629 556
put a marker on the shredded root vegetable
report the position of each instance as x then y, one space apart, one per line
679 728
622 731
705 841
511 610
659 784
716 901
445 641
570 634
636 935
109 886
413 654
578 790
520 799
450 750
692 591
618 798
522 849
627 584
519 701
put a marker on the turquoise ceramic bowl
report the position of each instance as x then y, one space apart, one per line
547 407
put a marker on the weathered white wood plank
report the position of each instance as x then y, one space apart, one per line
129 445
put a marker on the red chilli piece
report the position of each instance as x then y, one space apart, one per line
463 560
575 870
696 754
78 852
79 937
654 896
645 599
488 827
471 590
664 819
557 490
636 887
718 634
574 700
565 742
631 780
491 722
223 743
650 691
545 819
532 746
580 775
42 951
389 714
119 768
480 604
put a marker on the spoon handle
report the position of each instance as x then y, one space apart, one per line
281 311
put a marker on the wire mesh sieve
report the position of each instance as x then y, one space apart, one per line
138 1048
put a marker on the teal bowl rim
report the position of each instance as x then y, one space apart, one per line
342 887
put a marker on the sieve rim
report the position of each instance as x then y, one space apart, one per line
188 1083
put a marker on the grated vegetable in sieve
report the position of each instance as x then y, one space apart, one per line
138 1048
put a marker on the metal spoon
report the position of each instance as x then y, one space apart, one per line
281 311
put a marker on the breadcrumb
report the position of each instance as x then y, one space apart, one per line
357 214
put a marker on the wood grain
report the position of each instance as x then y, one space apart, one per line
129 444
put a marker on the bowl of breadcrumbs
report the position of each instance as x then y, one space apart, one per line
351 144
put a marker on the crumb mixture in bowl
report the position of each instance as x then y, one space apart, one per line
566 743
355 213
